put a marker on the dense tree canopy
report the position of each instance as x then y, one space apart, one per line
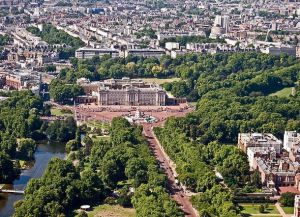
234 95
5 39
287 199
26 149
125 161
199 73
60 188
62 92
62 130
19 119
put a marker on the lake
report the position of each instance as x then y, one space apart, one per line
45 151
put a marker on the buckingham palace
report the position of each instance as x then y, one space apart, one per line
125 91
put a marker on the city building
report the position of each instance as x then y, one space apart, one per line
297 206
88 53
144 52
277 167
246 140
290 139
278 50
125 91
222 21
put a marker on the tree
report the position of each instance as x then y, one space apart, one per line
82 214
26 149
287 199
63 92
110 173
72 145
6 169
255 179
124 200
88 144
261 208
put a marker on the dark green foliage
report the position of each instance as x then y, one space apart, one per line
216 202
129 158
287 199
5 39
62 130
62 92
26 149
261 209
19 118
60 188
50 68
249 73
233 92
125 162
154 202
72 145
7 173
148 31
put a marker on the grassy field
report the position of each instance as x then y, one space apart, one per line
111 211
249 208
98 124
285 92
161 80
101 138
60 112
288 210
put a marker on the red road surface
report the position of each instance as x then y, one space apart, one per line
175 190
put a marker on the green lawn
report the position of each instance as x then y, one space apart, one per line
101 138
98 124
160 80
113 211
288 210
60 112
22 164
249 208
285 92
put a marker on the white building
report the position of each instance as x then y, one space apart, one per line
88 53
222 21
247 140
297 206
278 50
253 152
144 52
172 46
290 139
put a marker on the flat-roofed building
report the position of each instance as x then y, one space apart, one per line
290 139
144 52
88 53
297 206
246 140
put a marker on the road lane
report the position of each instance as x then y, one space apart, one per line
176 192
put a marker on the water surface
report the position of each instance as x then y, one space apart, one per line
45 151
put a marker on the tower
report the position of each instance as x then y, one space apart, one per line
222 21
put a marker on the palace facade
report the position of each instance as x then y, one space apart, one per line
125 91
